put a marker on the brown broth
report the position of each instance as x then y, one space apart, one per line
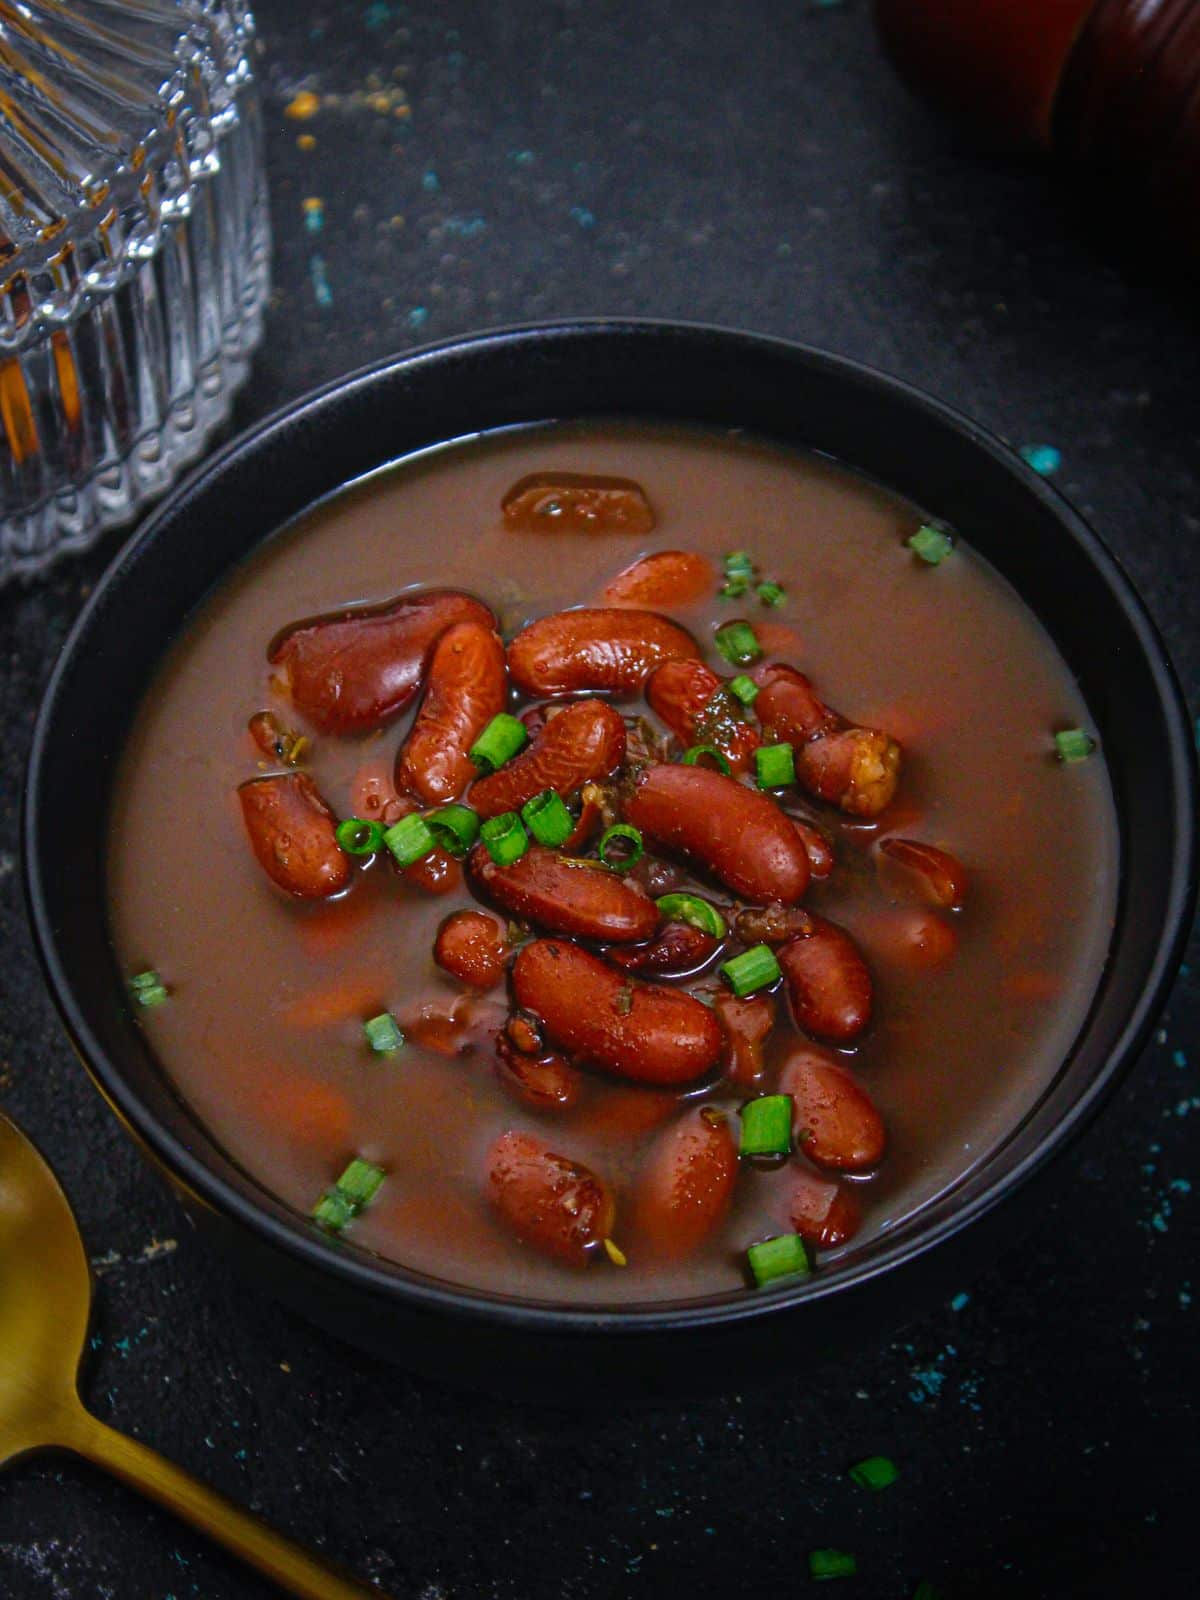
946 659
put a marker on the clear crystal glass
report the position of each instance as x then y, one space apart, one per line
134 254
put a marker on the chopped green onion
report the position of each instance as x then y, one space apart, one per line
148 988
831 1564
767 1126
410 839
775 766
499 742
626 859
359 837
739 564
505 838
333 1211
1072 744
360 1182
383 1033
933 545
455 828
775 1259
876 1472
772 593
734 588
737 643
744 688
690 908
547 818
353 1191
755 968
700 754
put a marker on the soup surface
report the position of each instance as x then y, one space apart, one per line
975 1004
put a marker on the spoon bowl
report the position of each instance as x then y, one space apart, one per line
45 1307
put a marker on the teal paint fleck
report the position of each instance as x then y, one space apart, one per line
929 1384
1181 1186
584 217
1185 1296
522 158
322 293
378 15
417 317
960 1301
430 182
464 227
239 1455
314 215
1180 1058
1043 458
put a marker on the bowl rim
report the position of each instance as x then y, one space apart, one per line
358 1269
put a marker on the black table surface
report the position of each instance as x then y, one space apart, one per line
754 164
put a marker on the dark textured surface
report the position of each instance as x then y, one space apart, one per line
756 165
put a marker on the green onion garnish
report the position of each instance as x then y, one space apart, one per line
499 742
734 588
739 564
410 839
755 968
737 643
744 688
775 766
933 545
831 1564
1072 744
360 1182
148 988
505 838
359 837
925 1591
772 593
690 908
625 857
353 1191
701 754
767 1126
333 1211
455 828
547 818
383 1033
876 1472
784 1256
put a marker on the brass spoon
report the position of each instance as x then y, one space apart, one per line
45 1304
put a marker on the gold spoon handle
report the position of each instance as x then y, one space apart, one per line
285 1563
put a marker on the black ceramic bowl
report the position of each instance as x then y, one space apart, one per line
894 434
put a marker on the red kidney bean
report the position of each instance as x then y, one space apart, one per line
353 670
747 1024
856 769
698 708
577 502
835 1121
580 898
545 1083
667 578
591 815
275 741
817 847
551 1202
585 740
821 1210
679 949
735 833
597 648
293 834
828 983
436 873
472 947
608 1020
938 875
465 688
686 1185
916 939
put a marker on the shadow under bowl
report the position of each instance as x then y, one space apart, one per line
681 373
